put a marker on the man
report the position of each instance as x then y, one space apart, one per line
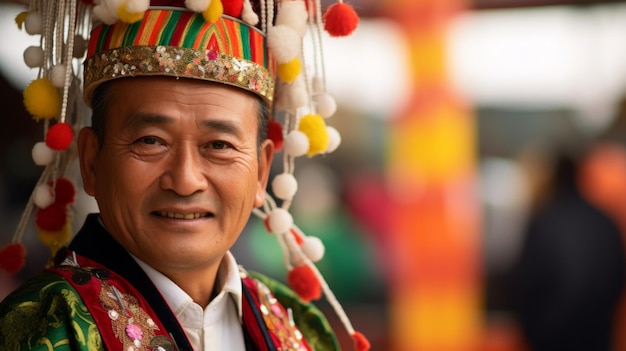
177 159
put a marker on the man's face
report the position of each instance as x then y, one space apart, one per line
178 172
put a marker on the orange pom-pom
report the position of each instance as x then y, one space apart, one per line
12 258
275 134
360 342
51 218
64 191
59 136
340 20
303 281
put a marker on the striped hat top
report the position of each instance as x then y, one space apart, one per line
176 41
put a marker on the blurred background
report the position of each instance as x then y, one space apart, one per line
478 199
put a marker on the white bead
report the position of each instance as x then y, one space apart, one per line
57 75
284 186
42 154
33 56
334 139
42 196
313 248
326 104
33 23
296 143
280 221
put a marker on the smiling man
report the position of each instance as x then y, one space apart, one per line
177 158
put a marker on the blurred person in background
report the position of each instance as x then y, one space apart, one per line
572 267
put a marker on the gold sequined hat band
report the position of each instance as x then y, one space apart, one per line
181 44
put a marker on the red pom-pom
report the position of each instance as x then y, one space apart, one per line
340 20
64 191
51 218
275 134
360 342
59 136
233 7
303 281
12 258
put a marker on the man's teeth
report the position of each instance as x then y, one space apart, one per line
182 215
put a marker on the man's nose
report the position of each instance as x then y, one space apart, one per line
185 172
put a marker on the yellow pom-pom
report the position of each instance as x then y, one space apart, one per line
288 72
214 11
20 18
56 239
314 127
42 99
127 16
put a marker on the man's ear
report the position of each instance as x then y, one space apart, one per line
266 155
87 153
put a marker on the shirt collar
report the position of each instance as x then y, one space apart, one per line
228 280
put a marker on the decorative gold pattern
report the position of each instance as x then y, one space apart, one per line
180 63
131 324
279 321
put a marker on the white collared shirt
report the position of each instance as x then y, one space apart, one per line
216 327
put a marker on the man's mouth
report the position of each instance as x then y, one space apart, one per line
177 215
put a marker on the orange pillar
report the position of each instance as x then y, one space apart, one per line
435 288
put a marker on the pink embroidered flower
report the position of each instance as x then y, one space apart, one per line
211 55
134 332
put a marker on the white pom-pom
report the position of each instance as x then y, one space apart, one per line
136 6
33 23
297 94
313 248
279 221
293 15
33 56
104 13
285 186
284 43
334 139
248 15
42 154
42 196
80 46
290 96
296 143
57 75
326 104
197 5
317 84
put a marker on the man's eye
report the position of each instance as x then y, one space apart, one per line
149 140
219 145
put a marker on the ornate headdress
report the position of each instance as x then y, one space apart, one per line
256 45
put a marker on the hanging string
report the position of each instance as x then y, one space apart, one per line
69 50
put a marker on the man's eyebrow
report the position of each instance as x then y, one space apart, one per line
224 126
139 120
